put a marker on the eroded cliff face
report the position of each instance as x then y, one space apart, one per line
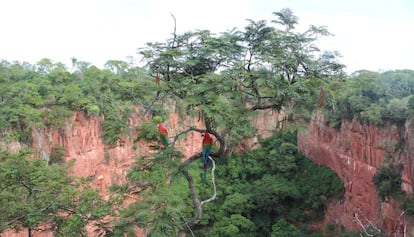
81 137
355 152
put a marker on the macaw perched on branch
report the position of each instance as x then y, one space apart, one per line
207 144
163 134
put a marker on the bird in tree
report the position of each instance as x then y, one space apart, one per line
206 150
163 134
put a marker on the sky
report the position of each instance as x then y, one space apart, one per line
374 35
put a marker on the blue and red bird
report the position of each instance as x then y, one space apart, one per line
207 144
163 134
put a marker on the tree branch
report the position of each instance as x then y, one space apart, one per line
219 138
213 182
23 216
268 106
364 227
198 212
175 31
177 136
194 197
152 103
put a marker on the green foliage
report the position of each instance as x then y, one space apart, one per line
34 194
71 96
283 228
318 183
57 155
222 79
237 203
373 113
56 116
46 93
264 66
207 74
115 125
159 110
397 109
157 119
408 204
113 130
274 187
387 180
265 192
372 96
160 210
11 136
273 192
148 131
235 225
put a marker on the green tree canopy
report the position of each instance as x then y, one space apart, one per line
223 79
38 196
372 97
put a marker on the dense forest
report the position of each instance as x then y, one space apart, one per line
220 79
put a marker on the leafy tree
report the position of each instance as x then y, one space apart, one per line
284 229
57 155
388 180
35 195
254 192
252 188
372 97
223 79
235 225
55 116
397 109
160 210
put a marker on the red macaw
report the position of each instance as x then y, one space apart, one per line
207 144
163 134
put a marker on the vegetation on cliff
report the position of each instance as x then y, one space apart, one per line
221 79
380 98
374 97
271 191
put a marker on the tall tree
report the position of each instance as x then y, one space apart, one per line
224 78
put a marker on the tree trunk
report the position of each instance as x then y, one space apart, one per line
29 230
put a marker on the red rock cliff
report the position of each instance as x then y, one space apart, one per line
81 136
355 152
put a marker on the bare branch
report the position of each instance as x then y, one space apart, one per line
213 182
175 32
365 227
152 103
359 222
